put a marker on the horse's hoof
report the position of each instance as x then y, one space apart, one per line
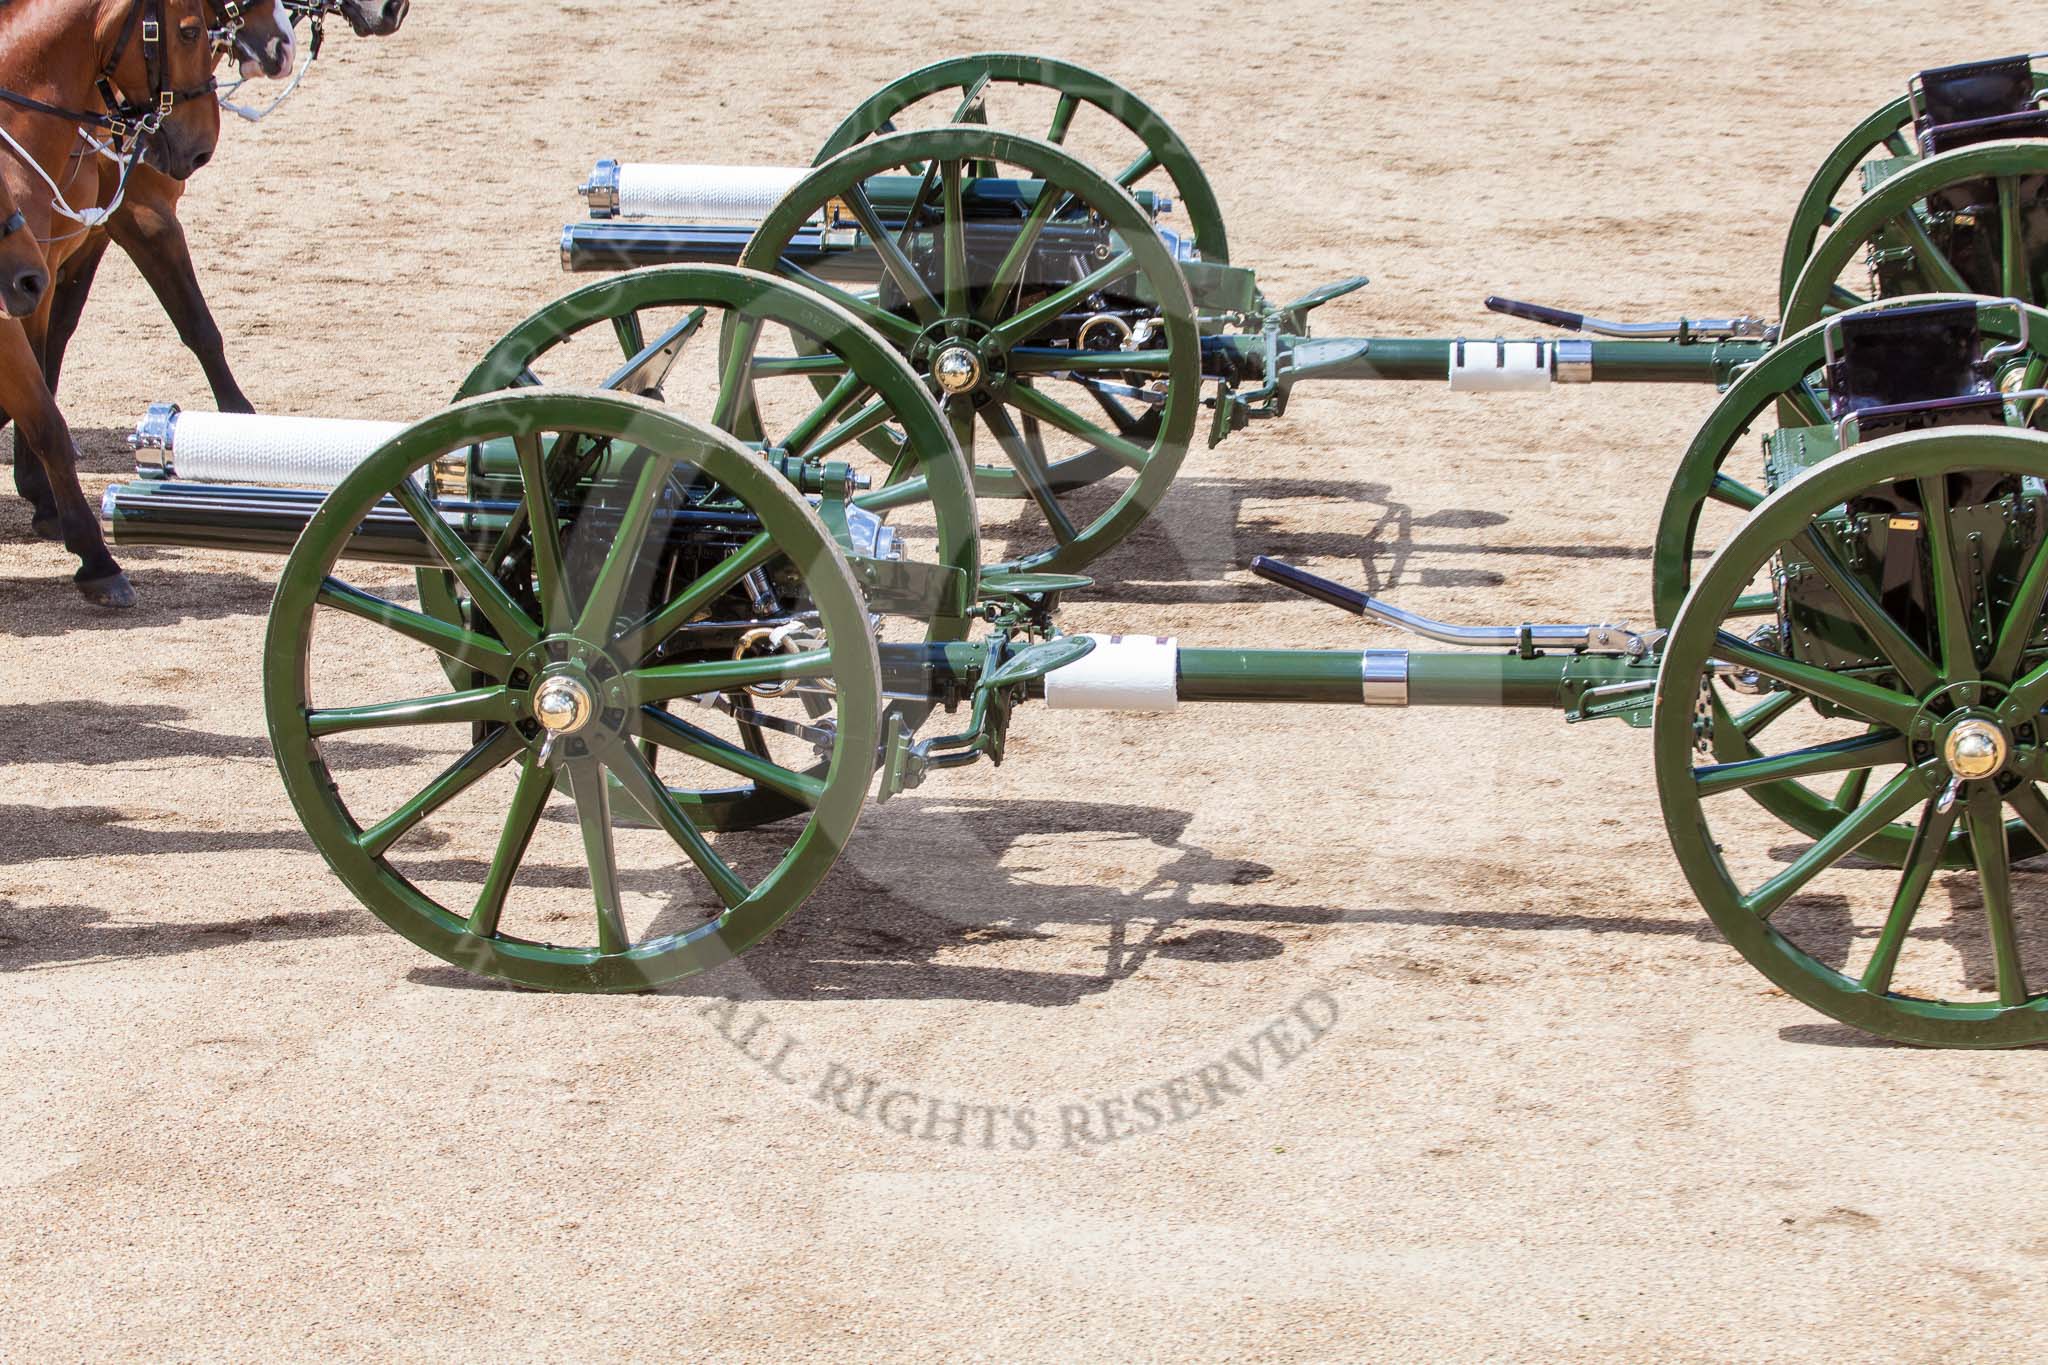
113 591
47 528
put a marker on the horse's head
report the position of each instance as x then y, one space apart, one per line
259 33
24 279
374 18
158 55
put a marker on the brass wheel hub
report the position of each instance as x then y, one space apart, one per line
1975 749
562 705
957 369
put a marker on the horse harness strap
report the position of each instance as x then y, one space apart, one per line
125 117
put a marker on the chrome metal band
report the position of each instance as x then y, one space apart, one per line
1573 362
153 438
602 189
1385 675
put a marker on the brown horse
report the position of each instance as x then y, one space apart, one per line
146 224
145 219
140 72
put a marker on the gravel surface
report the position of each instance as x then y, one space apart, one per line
1243 1032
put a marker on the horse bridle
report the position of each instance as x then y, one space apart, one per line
125 118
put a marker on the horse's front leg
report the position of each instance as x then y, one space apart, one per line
48 438
67 303
154 239
67 306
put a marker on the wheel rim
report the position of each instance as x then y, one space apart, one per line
566 659
1785 381
1960 671
1164 156
1817 211
1889 212
979 297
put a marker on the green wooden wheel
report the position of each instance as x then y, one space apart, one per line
634 522
1960 690
638 332
1016 322
1887 130
1720 480
962 89
1966 222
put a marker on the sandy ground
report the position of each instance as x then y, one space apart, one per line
1528 1104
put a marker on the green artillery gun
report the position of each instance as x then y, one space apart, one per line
1079 359
692 617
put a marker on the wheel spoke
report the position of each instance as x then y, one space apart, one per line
512 624
2018 279
1871 702
1011 269
465 647
2032 808
550 578
734 405
902 331
522 818
453 708
671 732
843 395
1994 874
622 562
648 368
1943 277
1735 493
637 640
669 681
908 281
1147 162
871 418
1057 414
1895 798
1843 298
1951 613
1859 754
486 757
955 232
1035 360
1807 401
654 800
904 493
1752 722
1062 119
1031 470
632 340
1923 859
1915 669
1854 787
593 799
2017 630
1048 310
1754 604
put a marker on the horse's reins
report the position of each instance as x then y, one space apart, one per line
314 10
129 124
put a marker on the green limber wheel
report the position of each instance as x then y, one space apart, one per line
1042 310
515 826
1720 480
788 371
1887 133
1971 221
997 88
1946 724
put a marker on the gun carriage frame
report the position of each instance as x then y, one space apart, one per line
603 571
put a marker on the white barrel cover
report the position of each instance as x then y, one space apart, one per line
299 452
703 194
1499 366
1122 673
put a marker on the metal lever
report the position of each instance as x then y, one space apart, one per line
1685 329
1595 638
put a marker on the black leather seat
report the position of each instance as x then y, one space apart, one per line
1959 106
